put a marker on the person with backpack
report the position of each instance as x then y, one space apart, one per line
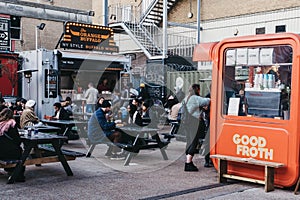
193 123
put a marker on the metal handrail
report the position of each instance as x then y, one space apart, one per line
149 34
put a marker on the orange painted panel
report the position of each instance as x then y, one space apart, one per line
266 139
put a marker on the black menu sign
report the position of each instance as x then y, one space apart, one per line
4 34
88 37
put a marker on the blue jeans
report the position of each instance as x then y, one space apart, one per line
90 108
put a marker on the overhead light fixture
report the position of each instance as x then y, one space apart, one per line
91 13
41 26
190 14
113 17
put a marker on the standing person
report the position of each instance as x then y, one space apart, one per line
100 128
103 86
10 141
195 128
206 117
143 94
91 96
28 117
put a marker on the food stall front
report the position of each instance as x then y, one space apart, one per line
70 73
255 107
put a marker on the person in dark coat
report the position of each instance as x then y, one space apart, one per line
2 104
60 112
10 141
100 128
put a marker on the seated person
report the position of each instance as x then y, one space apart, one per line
145 114
99 102
99 129
60 112
2 104
134 117
28 117
173 113
67 105
10 141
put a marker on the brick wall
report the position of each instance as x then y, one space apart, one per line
213 9
75 4
47 38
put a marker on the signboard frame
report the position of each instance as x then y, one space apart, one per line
88 37
5 40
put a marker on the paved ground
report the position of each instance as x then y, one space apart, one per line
147 177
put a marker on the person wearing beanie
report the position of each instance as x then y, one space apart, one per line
28 117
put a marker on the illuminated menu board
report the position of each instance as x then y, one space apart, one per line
88 37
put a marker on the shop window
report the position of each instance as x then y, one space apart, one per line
15 27
261 30
257 82
280 29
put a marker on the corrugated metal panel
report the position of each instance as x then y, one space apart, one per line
189 78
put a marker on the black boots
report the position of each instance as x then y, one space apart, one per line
208 162
190 167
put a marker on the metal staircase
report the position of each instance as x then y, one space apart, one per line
143 36
154 11
142 25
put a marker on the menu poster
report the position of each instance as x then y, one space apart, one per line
230 57
266 56
253 56
233 107
241 58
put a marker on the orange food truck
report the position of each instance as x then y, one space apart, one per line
255 106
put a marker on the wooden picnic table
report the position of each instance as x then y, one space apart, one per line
32 142
149 138
65 125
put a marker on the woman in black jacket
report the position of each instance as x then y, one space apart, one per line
10 141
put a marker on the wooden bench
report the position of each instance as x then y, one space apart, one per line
127 147
33 161
269 170
48 156
134 148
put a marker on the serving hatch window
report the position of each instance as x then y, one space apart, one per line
257 81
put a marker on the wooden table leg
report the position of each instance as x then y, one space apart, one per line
161 146
297 186
164 154
128 158
269 179
19 166
222 170
61 157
